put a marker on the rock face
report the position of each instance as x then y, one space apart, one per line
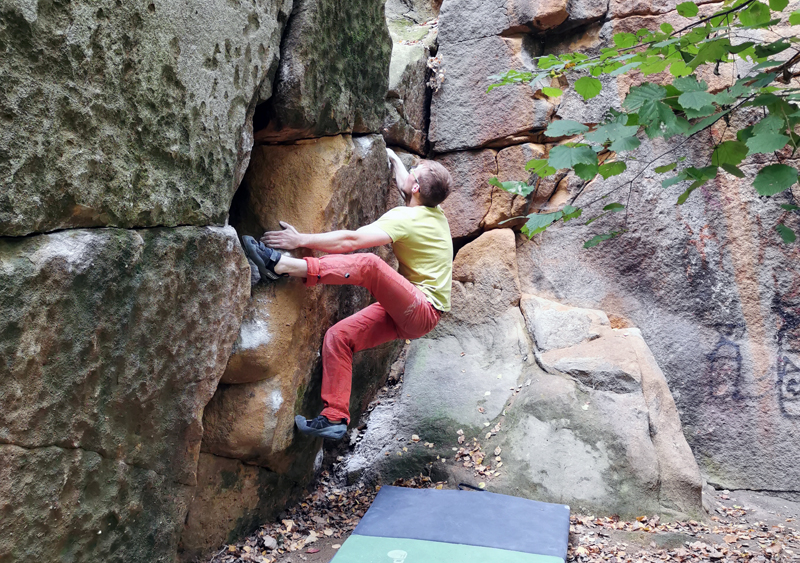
406 119
713 291
333 71
131 118
595 426
114 342
274 371
463 114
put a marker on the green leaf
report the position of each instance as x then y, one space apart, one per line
565 128
588 87
794 18
540 168
666 28
685 195
786 233
625 144
702 112
513 187
654 65
625 68
586 171
610 132
775 178
778 5
552 92
756 14
614 207
789 207
571 212
612 169
772 48
538 222
679 68
707 122
766 143
770 124
732 169
712 51
674 180
695 100
729 152
647 92
597 239
666 168
690 84
624 40
687 9
563 156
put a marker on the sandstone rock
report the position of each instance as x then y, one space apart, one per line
275 368
485 277
333 71
472 383
471 196
115 340
254 422
553 325
76 504
344 186
464 115
406 120
462 20
709 284
511 166
123 115
419 11
231 500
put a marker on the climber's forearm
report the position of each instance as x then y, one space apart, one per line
334 242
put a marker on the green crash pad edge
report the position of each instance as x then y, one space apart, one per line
376 549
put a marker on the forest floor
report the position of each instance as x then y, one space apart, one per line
742 526
745 527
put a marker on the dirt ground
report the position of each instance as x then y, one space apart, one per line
743 527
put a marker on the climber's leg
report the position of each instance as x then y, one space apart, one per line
368 328
413 315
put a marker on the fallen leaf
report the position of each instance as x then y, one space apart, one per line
312 550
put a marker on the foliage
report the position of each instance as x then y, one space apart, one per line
678 108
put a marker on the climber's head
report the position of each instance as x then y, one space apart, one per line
430 181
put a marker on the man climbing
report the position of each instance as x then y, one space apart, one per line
409 303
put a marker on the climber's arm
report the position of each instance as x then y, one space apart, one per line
334 242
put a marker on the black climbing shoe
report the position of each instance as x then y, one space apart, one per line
321 427
264 257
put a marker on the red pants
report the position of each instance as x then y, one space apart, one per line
402 311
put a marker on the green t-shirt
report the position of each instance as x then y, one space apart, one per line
421 241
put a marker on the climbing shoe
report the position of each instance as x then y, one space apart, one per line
321 427
264 257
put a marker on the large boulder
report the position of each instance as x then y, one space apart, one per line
464 115
590 422
74 504
274 372
471 195
333 71
129 115
231 500
113 342
406 121
712 288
